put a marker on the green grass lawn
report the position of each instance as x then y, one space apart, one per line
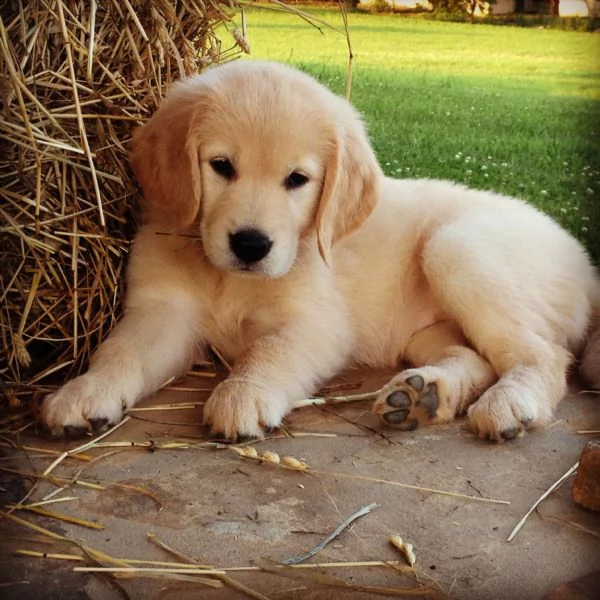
503 108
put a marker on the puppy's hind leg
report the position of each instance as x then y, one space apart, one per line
506 321
447 377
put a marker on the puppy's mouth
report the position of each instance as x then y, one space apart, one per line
253 270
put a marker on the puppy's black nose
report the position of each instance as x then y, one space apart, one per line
249 245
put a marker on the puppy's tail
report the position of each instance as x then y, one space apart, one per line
590 359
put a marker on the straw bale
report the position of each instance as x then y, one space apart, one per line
76 77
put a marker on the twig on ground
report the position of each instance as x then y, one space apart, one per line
335 533
553 487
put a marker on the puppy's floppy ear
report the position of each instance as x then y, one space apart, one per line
351 187
164 158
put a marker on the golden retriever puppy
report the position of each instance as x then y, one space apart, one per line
291 253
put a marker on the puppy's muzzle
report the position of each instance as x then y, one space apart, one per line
249 245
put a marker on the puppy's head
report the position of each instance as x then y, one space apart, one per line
260 157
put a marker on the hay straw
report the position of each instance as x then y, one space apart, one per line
319 401
78 77
58 516
226 579
248 569
161 407
313 471
84 447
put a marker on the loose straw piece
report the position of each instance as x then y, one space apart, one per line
244 454
58 516
409 486
318 401
553 487
84 447
134 570
233 583
159 407
248 569
359 513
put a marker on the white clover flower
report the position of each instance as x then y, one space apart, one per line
563 210
483 168
584 230
589 191
544 193
469 172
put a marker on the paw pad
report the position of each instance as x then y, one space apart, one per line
399 399
412 401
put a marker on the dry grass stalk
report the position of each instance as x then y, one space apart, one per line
553 487
84 447
249 569
58 516
248 452
224 578
100 560
77 78
336 399
43 451
161 407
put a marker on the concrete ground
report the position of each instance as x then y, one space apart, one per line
226 511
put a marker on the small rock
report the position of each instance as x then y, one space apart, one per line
586 488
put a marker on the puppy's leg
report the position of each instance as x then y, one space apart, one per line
150 344
447 378
532 382
498 302
277 370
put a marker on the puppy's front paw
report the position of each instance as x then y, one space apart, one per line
238 409
82 405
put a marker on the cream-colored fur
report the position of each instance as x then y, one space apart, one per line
484 296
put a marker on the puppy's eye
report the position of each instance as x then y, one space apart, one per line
223 167
295 180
